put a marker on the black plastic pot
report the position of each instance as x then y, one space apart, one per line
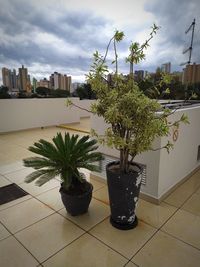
123 191
77 204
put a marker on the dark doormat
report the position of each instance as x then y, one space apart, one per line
11 192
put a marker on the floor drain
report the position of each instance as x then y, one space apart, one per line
11 192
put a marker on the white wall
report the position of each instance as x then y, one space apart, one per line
19 114
182 160
85 103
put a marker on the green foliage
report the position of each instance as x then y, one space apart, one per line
85 92
42 91
59 93
46 92
4 92
135 120
64 156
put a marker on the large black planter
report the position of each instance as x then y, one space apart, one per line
123 191
77 204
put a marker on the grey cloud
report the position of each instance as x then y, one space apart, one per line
19 19
175 17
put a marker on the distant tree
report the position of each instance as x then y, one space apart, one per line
22 94
85 92
42 91
59 93
4 92
145 86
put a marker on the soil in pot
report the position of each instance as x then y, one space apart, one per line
123 191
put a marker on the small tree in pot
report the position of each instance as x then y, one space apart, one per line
135 121
63 158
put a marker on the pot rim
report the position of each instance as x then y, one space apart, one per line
117 162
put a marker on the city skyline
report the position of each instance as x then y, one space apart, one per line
50 35
21 81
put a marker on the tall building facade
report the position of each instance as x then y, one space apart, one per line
191 74
23 78
43 83
34 83
139 75
9 78
6 77
166 67
60 81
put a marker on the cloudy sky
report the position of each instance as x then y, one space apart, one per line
61 35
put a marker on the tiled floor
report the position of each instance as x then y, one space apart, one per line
35 230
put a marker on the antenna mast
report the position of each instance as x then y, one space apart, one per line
192 26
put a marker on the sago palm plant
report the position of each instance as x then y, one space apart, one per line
63 157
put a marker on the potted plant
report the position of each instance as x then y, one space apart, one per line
134 121
63 157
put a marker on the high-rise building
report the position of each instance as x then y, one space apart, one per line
191 74
166 67
56 80
6 76
9 78
68 85
14 79
43 83
23 78
51 81
139 75
34 83
60 81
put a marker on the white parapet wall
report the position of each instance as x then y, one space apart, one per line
85 107
164 171
182 160
20 114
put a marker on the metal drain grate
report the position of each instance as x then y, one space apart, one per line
107 159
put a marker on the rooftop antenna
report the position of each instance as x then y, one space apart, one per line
192 26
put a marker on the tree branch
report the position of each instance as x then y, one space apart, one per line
72 104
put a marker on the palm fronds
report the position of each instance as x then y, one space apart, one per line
62 157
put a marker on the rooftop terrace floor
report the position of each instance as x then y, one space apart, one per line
35 230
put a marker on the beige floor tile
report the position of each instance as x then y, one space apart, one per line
96 184
14 202
13 254
10 148
198 191
4 181
125 242
86 251
165 251
183 192
15 151
152 214
102 195
6 160
19 176
3 232
17 165
52 199
130 264
96 213
193 204
24 214
184 226
48 236
35 190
